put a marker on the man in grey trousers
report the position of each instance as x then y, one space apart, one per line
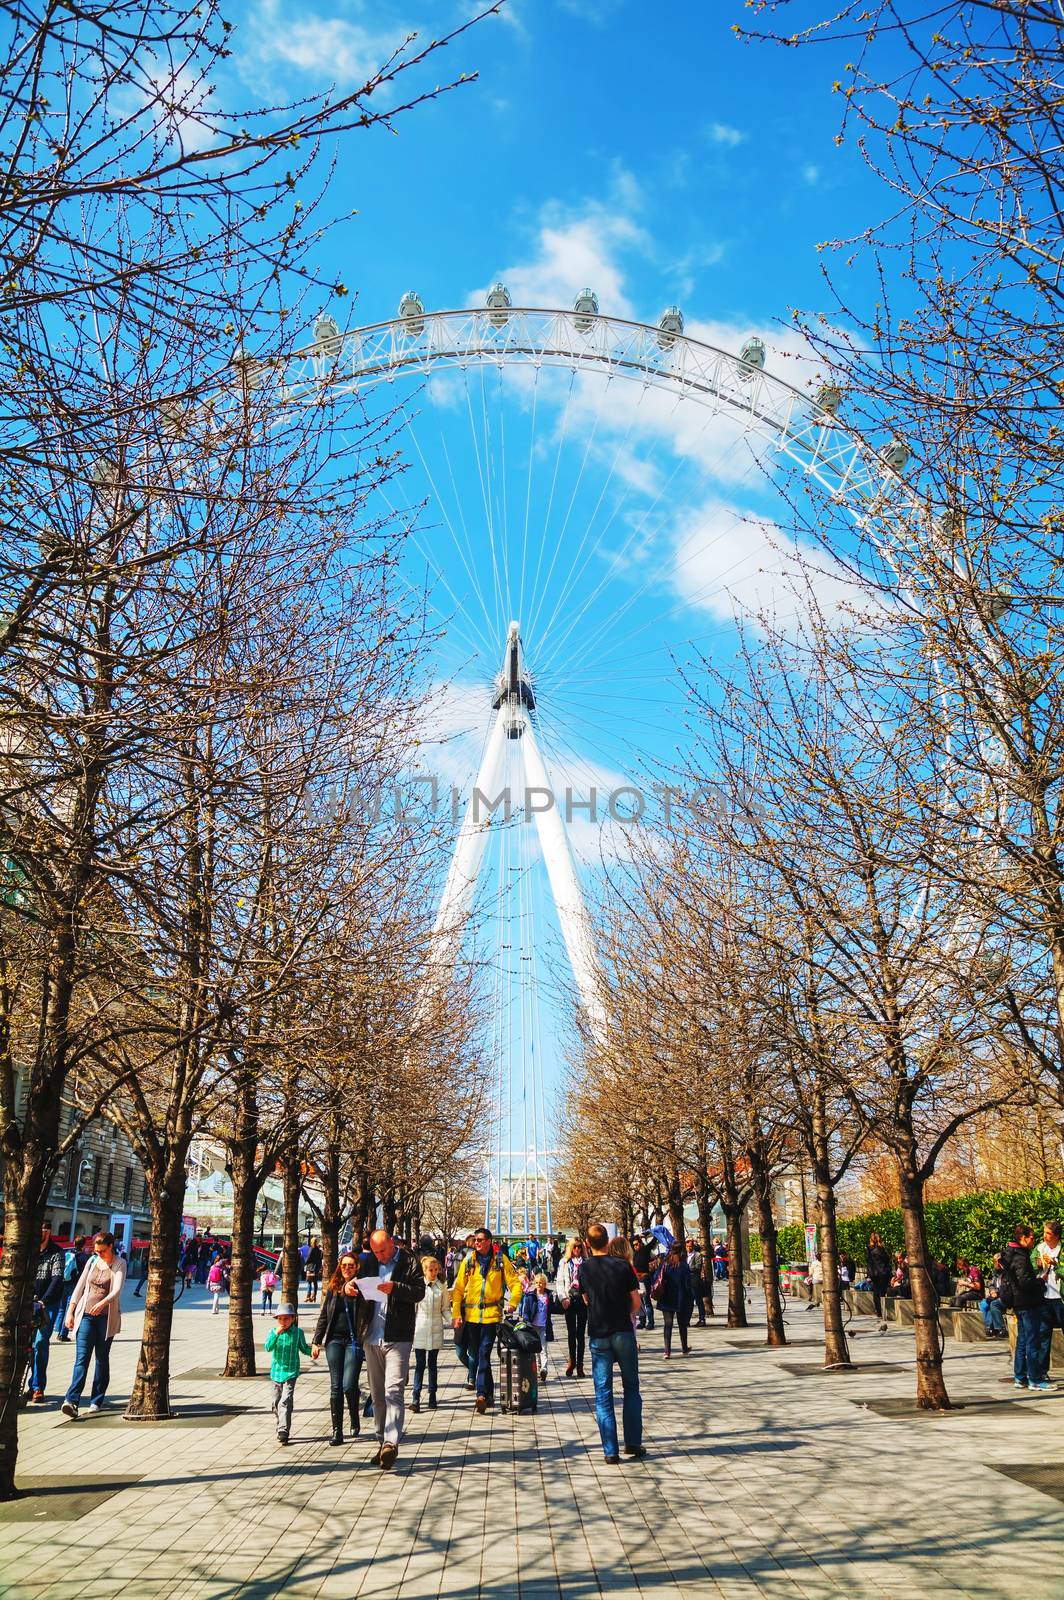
385 1330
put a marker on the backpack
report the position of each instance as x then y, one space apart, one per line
520 1336
1006 1295
269 1279
659 1283
70 1266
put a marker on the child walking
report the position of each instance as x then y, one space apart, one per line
267 1283
284 1343
429 1332
535 1308
216 1283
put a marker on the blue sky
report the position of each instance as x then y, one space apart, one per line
646 152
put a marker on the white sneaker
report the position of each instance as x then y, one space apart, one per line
94 1410
69 1409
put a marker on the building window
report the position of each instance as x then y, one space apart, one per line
110 1181
73 1162
127 1186
96 1165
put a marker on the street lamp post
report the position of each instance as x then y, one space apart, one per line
83 1162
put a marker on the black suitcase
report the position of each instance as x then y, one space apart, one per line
518 1381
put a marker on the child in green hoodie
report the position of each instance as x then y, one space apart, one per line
284 1344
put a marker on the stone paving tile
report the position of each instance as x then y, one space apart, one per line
760 1486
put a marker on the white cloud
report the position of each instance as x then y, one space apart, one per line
811 173
732 563
329 48
723 133
585 247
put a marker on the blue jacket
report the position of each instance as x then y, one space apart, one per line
677 1290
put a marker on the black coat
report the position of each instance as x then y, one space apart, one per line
1028 1290
408 1290
332 1320
878 1263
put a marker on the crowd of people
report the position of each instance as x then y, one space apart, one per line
387 1305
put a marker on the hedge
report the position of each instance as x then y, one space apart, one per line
970 1225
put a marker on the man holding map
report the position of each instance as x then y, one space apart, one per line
388 1286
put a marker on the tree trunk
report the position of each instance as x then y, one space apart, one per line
676 1206
836 1347
331 1221
705 1224
291 1260
931 1392
770 1262
150 1396
240 1354
18 1268
736 1293
365 1214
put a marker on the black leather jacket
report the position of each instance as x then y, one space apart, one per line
408 1290
332 1320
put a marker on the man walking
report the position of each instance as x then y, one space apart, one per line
1025 1292
698 1284
480 1287
47 1294
611 1289
642 1261
1049 1265
385 1330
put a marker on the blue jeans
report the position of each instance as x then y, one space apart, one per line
60 1313
39 1355
479 1343
993 1316
619 1347
423 1359
1052 1317
1028 1362
92 1340
345 1364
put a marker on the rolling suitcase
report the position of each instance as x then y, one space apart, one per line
518 1380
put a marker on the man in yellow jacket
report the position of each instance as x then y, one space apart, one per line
480 1288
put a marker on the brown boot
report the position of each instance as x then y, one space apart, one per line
570 1367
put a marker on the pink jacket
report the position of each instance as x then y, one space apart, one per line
76 1307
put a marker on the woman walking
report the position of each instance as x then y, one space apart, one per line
567 1290
312 1271
675 1297
429 1331
335 1333
94 1316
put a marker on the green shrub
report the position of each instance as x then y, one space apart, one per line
970 1225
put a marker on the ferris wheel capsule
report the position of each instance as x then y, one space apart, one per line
250 371
327 336
498 304
896 454
670 327
412 312
586 307
828 399
752 354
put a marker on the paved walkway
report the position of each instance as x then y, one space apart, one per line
762 1481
